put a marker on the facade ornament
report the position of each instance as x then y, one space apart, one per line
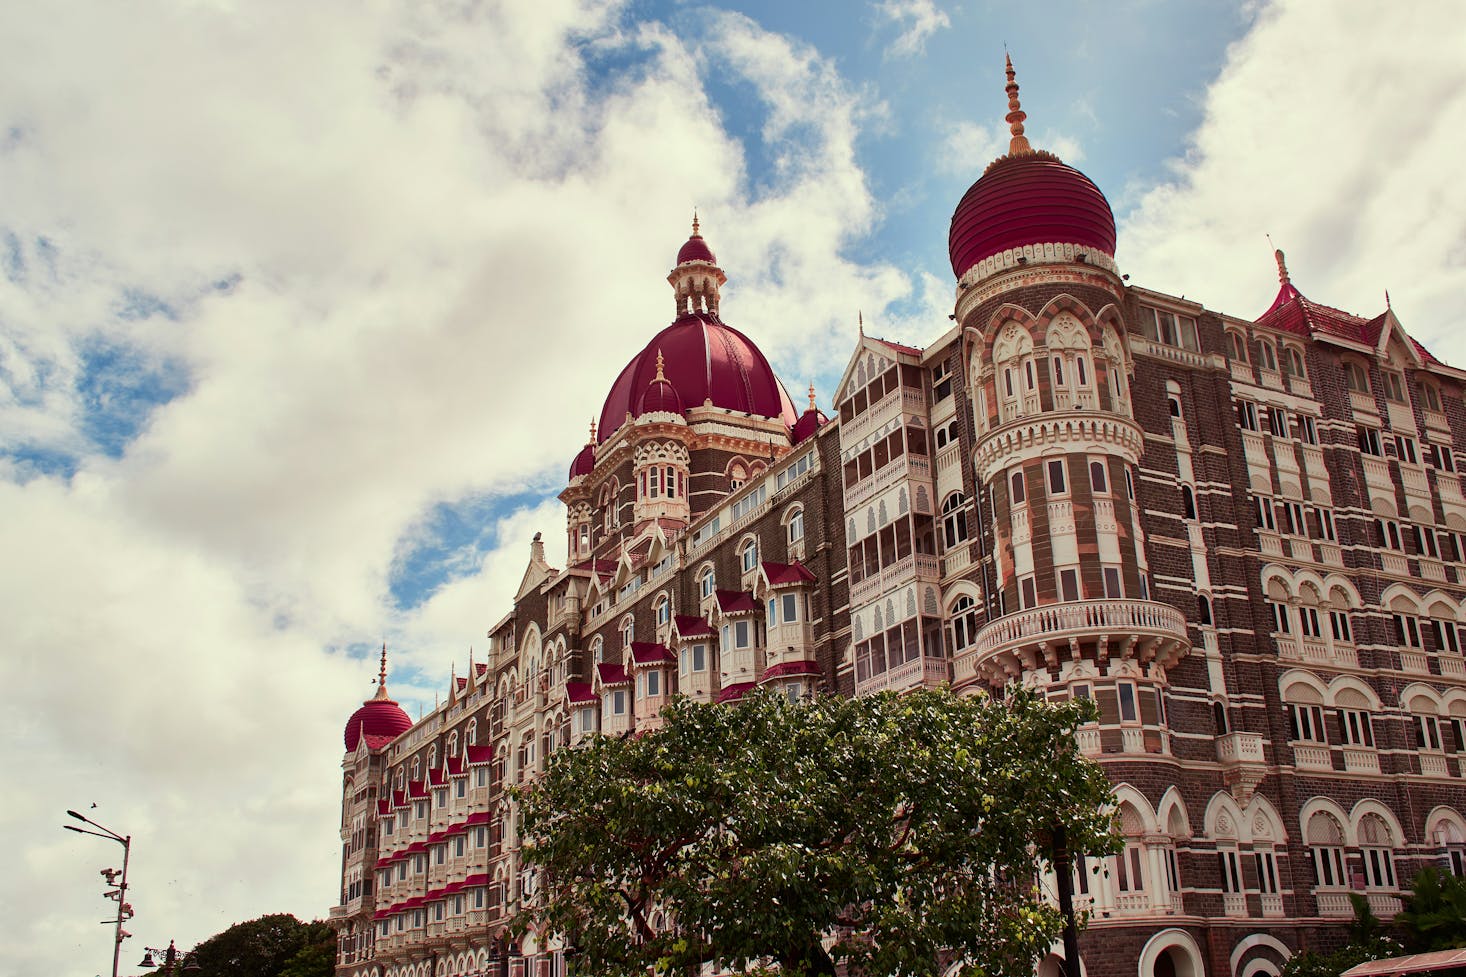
1018 146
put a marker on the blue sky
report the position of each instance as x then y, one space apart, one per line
304 311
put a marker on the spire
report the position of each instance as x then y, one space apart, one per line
1282 267
452 683
1018 146
662 377
1387 300
811 395
382 675
592 431
860 323
695 231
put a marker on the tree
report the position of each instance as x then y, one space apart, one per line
277 945
1434 917
907 830
1367 941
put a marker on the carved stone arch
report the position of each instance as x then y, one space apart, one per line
1341 592
903 506
1171 814
1126 794
1061 304
1303 687
1224 818
1371 808
1250 957
1398 597
1185 956
1012 343
1420 699
910 602
1263 823
1346 690
1444 826
1067 332
930 604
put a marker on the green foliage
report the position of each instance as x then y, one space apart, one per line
1311 963
272 946
1434 917
896 825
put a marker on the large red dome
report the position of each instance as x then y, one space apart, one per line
703 360
380 720
1032 198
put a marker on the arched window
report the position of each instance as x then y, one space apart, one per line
1204 608
1377 846
748 555
1069 347
663 610
796 524
1269 354
597 650
1130 864
1293 362
964 623
954 522
628 631
737 475
1325 838
1236 346
1188 503
706 582
1013 359
1356 377
472 737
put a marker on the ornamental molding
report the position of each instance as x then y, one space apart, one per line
1036 264
1075 431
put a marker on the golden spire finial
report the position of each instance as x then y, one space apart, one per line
811 395
382 674
695 231
592 431
1019 143
661 378
1282 266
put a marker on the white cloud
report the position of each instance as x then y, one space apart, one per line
1335 130
967 147
439 235
916 20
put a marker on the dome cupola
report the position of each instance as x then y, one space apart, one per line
380 719
1027 198
585 459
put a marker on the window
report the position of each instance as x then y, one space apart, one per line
1099 481
1027 593
1356 727
1126 693
1394 386
1174 403
1169 328
1277 421
1058 481
1069 584
947 434
1017 486
1293 362
1308 622
1356 378
796 525
1376 845
1290 519
1265 518
1369 442
791 609
1339 622
941 382
1407 630
1427 732
654 682
1236 346
1440 456
964 622
664 610
699 657
1269 355
705 583
1389 534
1307 429
1231 867
1323 520
1113 587
1405 449
618 703
749 555
1266 862
1447 637
742 634
1430 396
1424 541
1305 723
1247 415
1128 873
460 788
954 521
1188 503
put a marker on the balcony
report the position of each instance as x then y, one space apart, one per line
920 671
1141 629
1312 756
1243 763
1272 904
1361 759
922 566
1254 450
1363 401
1234 903
913 466
1337 904
1434 765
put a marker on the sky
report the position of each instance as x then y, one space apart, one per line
305 309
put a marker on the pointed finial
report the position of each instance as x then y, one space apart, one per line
1282 266
811 395
592 431
1387 298
1018 145
695 231
661 377
382 674
860 322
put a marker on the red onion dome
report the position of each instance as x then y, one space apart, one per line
696 249
703 360
809 422
1029 199
585 461
659 396
380 720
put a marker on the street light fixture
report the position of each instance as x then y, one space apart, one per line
113 877
173 964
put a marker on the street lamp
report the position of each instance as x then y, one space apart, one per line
113 877
173 963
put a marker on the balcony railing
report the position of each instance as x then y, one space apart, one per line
1142 629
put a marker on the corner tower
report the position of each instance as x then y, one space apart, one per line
1055 445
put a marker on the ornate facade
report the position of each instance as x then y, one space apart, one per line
1244 539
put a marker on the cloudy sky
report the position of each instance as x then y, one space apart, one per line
304 309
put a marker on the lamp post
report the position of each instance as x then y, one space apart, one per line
124 911
173 963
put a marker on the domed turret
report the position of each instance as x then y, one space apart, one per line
1028 197
698 359
585 459
380 719
809 422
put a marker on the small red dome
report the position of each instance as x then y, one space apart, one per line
585 461
1028 198
703 360
809 422
659 397
696 249
381 719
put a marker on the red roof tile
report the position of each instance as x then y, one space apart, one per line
479 753
689 627
787 573
899 347
733 693
612 673
646 653
732 601
792 668
579 692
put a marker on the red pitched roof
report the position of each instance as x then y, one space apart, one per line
612 673
731 601
1293 312
579 692
787 573
899 347
792 668
689 627
733 693
479 753
646 653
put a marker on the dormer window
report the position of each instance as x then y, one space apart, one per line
1293 362
1394 386
1355 377
1236 346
